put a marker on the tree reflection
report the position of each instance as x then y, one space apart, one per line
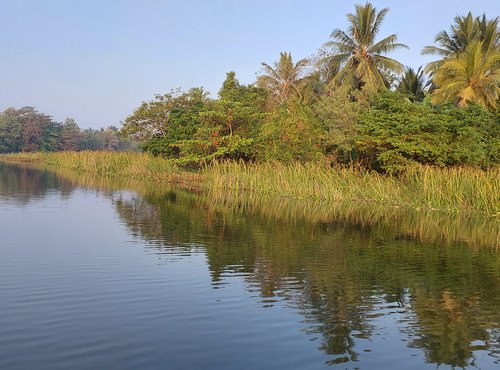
336 273
24 184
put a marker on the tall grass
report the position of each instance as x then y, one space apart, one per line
453 190
114 164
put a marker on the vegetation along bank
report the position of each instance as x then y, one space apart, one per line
347 123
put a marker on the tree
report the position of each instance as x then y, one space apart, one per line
413 83
38 131
472 76
198 95
464 31
153 118
284 78
71 135
10 131
290 133
239 107
362 57
165 120
108 138
338 115
231 88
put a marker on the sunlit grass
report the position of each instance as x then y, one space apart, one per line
115 164
451 190
455 190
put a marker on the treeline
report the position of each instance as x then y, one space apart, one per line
350 103
27 130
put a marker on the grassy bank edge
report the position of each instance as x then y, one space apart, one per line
450 190
130 165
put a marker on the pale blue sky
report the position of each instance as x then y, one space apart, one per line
95 61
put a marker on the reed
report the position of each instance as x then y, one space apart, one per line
113 164
451 190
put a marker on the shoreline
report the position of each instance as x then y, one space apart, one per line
451 191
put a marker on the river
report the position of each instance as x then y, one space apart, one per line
102 274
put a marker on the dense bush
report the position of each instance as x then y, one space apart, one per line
396 133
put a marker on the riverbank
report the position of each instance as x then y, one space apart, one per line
453 190
127 165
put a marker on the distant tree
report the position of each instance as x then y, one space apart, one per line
361 57
291 132
89 141
198 95
152 118
32 123
248 95
71 135
413 83
231 88
338 115
227 116
283 79
324 66
38 131
108 138
10 131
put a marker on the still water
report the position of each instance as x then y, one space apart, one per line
93 276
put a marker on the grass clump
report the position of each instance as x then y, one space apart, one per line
452 190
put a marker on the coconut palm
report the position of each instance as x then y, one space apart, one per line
464 31
198 94
413 83
362 58
283 79
472 76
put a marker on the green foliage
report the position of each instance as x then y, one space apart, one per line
227 126
397 133
10 132
338 110
169 116
198 153
229 116
247 95
27 130
290 133
338 115
413 84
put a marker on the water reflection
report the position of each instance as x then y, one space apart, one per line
363 279
342 276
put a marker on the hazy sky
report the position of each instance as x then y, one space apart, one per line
95 61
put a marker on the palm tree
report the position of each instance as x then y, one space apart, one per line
198 94
464 31
363 58
283 80
472 76
413 83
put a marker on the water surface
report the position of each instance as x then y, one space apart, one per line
95 276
